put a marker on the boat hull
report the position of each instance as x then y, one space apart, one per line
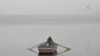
48 49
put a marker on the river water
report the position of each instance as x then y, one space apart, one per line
16 39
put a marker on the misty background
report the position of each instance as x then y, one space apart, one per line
72 23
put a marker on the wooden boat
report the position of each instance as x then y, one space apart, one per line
48 47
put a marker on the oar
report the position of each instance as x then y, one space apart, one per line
30 49
67 48
33 51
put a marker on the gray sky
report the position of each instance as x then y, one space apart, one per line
49 7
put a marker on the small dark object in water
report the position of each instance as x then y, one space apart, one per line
48 47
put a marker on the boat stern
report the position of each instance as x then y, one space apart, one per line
46 50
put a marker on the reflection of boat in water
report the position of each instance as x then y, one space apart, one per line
48 54
48 47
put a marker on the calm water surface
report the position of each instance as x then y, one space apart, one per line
15 39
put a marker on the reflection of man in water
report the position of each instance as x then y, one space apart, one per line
49 41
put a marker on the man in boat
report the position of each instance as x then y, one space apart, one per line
49 41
